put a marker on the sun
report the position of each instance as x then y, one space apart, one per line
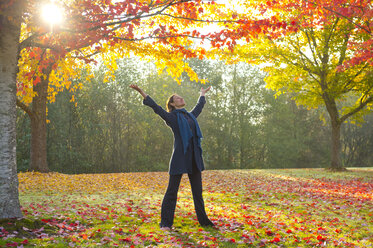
52 14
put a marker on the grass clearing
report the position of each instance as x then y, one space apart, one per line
251 208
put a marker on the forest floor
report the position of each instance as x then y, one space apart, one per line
250 208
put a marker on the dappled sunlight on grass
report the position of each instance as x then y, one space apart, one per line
340 185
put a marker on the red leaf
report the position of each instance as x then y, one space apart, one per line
275 240
268 232
321 238
125 239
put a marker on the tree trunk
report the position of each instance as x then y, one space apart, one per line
336 123
39 127
10 26
336 164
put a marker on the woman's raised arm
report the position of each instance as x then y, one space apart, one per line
201 102
166 116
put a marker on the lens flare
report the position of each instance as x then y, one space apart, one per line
52 14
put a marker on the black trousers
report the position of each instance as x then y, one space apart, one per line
170 198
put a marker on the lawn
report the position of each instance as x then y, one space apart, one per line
251 208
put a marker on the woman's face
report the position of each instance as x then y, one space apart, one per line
178 102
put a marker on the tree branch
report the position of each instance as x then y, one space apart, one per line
304 67
25 108
160 37
343 16
344 46
314 55
357 109
29 40
353 77
200 20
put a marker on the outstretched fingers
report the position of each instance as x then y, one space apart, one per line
205 90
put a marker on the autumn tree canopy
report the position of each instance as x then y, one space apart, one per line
167 32
321 52
276 19
159 30
96 31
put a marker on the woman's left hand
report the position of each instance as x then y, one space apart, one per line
203 91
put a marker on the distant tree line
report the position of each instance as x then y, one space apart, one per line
108 129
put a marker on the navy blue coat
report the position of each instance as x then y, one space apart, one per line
180 163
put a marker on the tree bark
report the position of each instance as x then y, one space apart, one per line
39 127
336 123
336 164
10 26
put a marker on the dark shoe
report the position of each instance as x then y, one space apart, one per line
208 224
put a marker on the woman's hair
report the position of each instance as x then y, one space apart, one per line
170 100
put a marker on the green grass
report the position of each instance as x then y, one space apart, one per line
251 208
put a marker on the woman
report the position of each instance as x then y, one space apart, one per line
186 156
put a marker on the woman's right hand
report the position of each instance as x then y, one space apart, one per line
137 88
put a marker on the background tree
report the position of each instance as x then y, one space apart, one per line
310 61
294 137
357 143
232 115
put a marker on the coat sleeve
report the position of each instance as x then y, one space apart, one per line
198 108
166 116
